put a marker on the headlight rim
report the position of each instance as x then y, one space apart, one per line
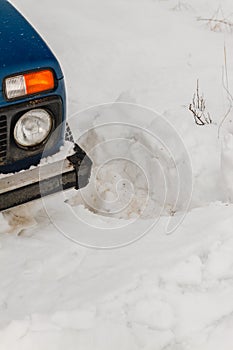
39 144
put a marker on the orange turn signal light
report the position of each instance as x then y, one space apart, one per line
29 83
39 81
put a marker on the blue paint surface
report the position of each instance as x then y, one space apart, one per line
21 47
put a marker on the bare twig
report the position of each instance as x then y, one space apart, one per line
198 109
180 6
226 88
218 22
222 21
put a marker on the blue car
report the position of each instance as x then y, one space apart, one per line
32 107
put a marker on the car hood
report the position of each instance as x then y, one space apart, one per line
21 47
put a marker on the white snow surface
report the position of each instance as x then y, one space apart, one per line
172 289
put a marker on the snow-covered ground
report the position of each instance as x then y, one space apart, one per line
160 191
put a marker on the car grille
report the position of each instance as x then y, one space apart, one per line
3 138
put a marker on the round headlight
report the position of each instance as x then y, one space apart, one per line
33 128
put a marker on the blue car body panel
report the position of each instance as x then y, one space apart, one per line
21 47
21 50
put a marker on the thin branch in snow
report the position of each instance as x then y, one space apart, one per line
180 6
225 85
218 22
198 108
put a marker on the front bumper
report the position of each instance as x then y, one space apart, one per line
32 184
